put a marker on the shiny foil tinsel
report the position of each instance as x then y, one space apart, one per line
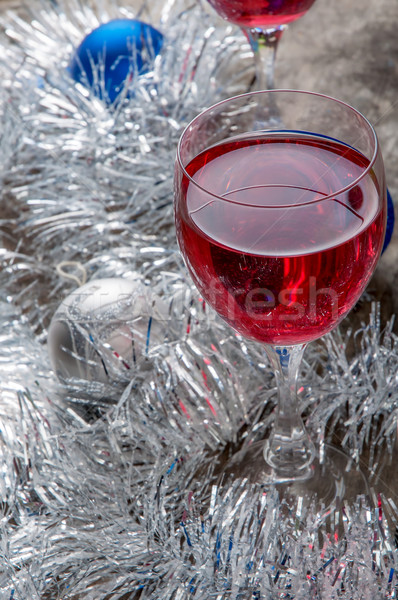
110 490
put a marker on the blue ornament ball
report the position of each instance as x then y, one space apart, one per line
390 220
113 53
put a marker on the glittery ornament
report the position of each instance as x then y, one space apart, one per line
113 53
104 329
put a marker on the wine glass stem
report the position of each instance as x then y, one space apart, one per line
289 451
264 43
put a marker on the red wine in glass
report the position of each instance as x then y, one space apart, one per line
280 260
261 13
263 22
281 224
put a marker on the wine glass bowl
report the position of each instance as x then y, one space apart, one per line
281 226
280 229
259 13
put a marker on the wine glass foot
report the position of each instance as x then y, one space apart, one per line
333 480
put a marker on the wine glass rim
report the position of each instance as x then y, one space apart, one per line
338 192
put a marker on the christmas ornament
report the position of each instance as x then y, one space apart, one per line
105 329
112 54
390 220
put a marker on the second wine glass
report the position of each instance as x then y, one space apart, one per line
263 22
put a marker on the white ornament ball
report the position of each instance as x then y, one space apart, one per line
106 329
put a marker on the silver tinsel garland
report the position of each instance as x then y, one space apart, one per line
109 489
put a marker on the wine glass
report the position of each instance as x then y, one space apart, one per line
281 229
263 22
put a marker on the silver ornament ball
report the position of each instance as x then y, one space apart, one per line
104 330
